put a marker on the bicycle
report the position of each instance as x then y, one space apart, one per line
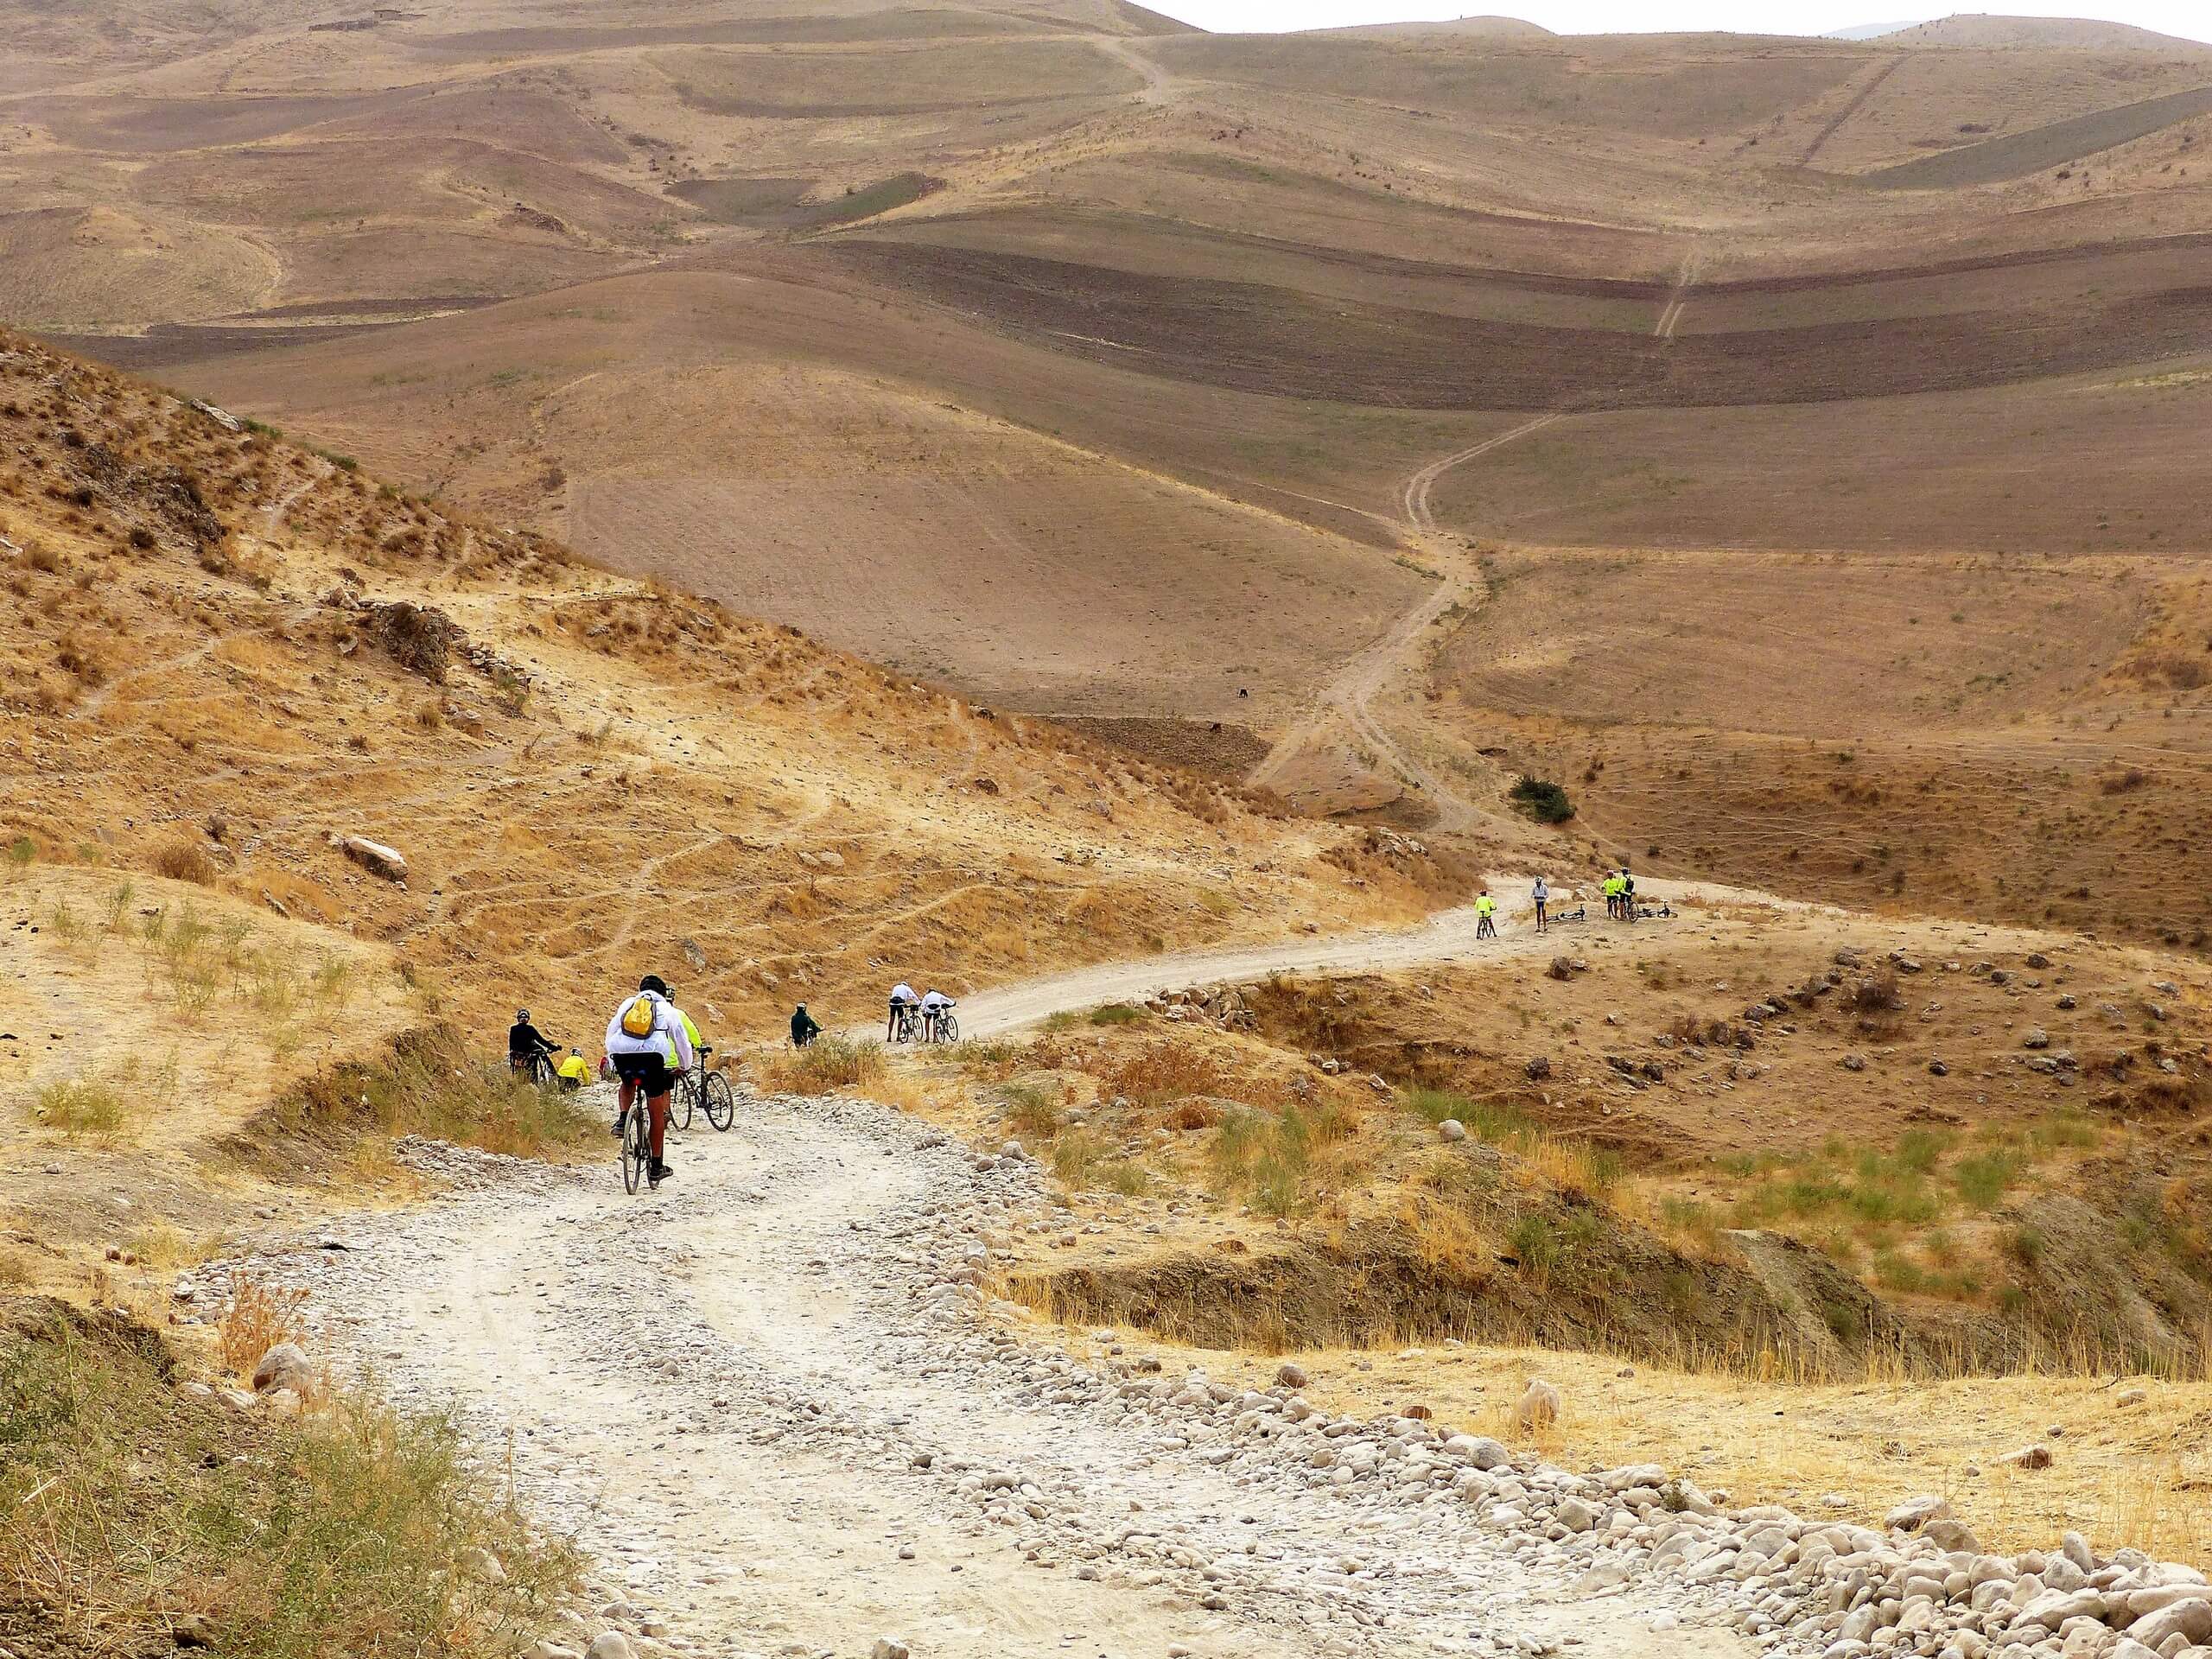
539 1069
637 1145
699 1087
909 1026
941 1025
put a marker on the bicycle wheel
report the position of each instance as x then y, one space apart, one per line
948 1028
637 1146
682 1101
542 1073
721 1101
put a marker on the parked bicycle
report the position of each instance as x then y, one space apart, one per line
701 1089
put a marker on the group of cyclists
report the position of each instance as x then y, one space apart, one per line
924 1019
651 1043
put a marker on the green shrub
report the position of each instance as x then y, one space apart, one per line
1543 800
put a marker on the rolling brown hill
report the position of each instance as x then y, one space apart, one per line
1102 367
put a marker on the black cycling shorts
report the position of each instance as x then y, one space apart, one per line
648 1071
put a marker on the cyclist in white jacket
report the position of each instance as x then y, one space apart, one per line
641 1059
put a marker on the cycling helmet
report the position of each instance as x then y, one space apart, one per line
521 1016
656 984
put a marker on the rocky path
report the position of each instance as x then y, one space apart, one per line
774 1405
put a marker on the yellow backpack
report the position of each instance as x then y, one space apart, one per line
637 1018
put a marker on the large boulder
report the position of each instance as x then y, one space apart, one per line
373 857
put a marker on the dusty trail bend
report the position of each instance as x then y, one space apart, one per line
769 1403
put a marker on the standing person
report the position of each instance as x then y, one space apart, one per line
803 1030
1485 916
1542 892
645 1033
1628 897
902 998
1610 886
525 1043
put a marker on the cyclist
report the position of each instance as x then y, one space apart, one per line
526 1045
1485 916
803 1029
903 1002
573 1071
646 1034
934 1006
1542 892
1611 888
689 1030
1628 897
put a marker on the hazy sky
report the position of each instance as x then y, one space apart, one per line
2192 18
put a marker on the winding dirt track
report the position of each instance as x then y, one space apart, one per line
1347 699
750 1394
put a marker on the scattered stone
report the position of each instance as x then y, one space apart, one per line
2130 1398
2037 1038
2028 1457
890 1647
1538 1069
1291 1376
1855 1062
1451 1129
610 1644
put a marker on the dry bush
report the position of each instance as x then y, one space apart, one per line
258 1315
185 861
2123 783
825 1066
1165 1071
1877 998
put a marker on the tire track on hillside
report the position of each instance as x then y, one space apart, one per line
1349 695
1857 104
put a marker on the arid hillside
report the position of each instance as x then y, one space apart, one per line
1267 402
225 656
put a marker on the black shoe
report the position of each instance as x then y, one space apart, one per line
616 1129
658 1173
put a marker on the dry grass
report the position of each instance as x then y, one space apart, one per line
825 1066
122 1506
257 1317
87 1106
434 1084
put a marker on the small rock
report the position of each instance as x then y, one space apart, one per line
482 1565
1540 1405
1537 1069
890 1647
1855 1062
284 1366
610 1644
1451 1129
2028 1457
191 1630
1291 1376
2130 1397
2037 1038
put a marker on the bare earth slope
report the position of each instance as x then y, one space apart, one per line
1084 364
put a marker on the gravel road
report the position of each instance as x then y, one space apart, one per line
774 1406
